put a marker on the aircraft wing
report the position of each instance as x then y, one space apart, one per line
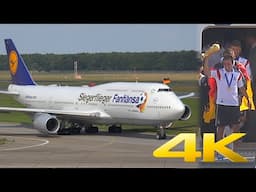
70 113
9 93
186 96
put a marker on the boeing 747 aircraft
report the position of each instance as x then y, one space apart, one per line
58 109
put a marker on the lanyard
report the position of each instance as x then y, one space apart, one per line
229 82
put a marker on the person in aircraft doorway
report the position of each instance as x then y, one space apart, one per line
241 67
229 83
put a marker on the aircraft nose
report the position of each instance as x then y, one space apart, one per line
178 109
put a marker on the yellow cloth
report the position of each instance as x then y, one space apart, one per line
210 114
244 103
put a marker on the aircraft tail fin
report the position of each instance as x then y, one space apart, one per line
18 69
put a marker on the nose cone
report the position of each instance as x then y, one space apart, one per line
178 109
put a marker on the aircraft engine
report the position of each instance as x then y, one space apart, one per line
46 123
187 113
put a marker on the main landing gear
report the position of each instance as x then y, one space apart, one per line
72 128
115 129
91 129
69 128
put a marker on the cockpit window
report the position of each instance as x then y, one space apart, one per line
164 90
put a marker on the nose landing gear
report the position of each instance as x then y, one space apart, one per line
161 133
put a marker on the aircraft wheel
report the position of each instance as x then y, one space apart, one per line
92 130
160 136
75 131
64 132
115 129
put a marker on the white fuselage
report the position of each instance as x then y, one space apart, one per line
123 103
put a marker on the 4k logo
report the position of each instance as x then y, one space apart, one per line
209 147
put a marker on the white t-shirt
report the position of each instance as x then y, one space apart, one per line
227 95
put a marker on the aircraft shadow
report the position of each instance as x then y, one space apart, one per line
105 134
130 133
127 134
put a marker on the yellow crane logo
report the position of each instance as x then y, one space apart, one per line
13 62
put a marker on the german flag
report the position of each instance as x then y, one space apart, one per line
209 114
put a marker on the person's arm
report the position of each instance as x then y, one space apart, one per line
248 69
244 93
252 60
206 69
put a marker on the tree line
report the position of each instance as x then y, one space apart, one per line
176 60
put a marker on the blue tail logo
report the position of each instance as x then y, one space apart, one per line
18 69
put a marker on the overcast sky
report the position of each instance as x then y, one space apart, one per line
77 38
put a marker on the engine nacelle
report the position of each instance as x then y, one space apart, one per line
45 123
187 113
